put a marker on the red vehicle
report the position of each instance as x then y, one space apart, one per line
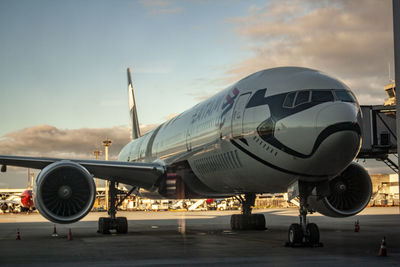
27 200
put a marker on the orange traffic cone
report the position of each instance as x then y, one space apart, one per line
18 235
54 231
382 250
69 234
357 226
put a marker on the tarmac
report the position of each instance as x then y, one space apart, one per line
200 239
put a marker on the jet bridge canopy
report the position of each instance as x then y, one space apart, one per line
379 132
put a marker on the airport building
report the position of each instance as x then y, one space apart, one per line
385 190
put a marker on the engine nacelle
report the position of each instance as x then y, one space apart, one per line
64 192
349 193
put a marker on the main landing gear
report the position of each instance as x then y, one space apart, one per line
246 220
303 233
120 224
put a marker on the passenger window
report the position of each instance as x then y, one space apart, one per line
344 95
322 96
302 97
288 103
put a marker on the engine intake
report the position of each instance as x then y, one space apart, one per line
350 193
64 192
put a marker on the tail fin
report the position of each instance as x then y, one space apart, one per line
134 123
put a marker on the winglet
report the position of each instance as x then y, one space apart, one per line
134 122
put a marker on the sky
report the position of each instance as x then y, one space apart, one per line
63 84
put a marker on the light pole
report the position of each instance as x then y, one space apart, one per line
106 144
31 175
29 178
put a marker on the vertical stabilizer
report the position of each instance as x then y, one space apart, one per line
134 123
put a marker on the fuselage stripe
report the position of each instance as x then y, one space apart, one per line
271 165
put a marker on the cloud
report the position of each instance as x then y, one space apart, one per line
161 7
204 88
200 96
49 141
347 39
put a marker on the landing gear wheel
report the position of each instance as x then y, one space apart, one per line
121 225
239 222
248 222
259 221
304 234
104 225
295 235
312 237
234 222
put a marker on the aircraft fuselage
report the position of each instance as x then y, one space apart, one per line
261 134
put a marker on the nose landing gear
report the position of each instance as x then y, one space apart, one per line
246 220
303 233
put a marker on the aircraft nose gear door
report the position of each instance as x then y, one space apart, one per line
237 115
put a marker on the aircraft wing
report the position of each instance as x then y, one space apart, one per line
133 173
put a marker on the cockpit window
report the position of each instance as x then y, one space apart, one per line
302 97
288 103
257 99
321 96
344 96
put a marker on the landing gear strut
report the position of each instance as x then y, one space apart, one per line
246 220
120 224
303 233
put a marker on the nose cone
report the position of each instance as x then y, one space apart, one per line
339 138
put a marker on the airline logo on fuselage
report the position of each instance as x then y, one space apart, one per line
230 100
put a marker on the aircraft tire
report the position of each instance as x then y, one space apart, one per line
238 222
252 222
295 234
234 222
245 222
312 234
104 225
122 225
259 221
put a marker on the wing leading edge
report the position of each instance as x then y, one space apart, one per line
143 175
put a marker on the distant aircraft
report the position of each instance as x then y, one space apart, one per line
286 129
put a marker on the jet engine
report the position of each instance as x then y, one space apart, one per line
349 193
64 192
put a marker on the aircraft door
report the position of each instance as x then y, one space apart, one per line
237 115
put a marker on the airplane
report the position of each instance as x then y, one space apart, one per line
285 129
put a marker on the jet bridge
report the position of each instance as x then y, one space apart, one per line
379 134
